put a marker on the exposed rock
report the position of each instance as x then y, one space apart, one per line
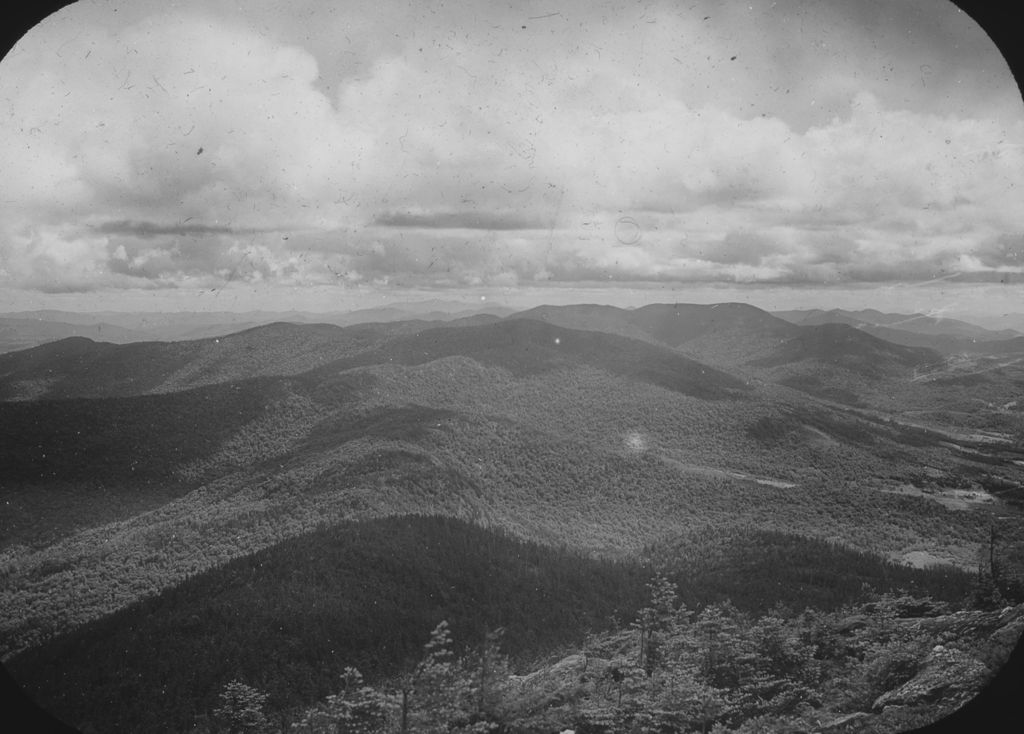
948 676
910 607
843 723
851 624
566 671
950 657
996 648
568 678
996 631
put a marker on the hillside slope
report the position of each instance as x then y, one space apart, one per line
836 362
571 456
78 367
139 467
727 326
290 618
740 335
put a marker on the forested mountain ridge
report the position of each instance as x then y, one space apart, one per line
772 340
724 334
672 324
365 594
913 376
25 329
78 367
730 335
833 361
129 470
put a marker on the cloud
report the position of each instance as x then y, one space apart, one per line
483 153
219 122
485 220
152 229
748 248
1005 251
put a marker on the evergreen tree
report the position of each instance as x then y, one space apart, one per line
357 709
490 679
441 692
985 592
241 709
656 621
721 645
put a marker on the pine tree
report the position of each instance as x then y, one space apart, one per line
356 709
241 708
658 620
441 692
721 645
490 679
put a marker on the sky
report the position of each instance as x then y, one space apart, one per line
322 156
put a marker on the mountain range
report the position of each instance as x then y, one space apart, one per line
131 472
949 336
25 329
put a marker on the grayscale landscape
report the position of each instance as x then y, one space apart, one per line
538 367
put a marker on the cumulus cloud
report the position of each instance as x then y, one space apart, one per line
610 144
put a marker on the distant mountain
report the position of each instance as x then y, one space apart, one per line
78 367
22 333
433 310
26 329
950 345
444 305
589 317
679 324
843 345
68 317
948 336
525 347
740 336
681 346
164 326
915 323
671 324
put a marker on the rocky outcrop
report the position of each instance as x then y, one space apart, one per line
971 648
569 678
947 658
848 722
947 676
